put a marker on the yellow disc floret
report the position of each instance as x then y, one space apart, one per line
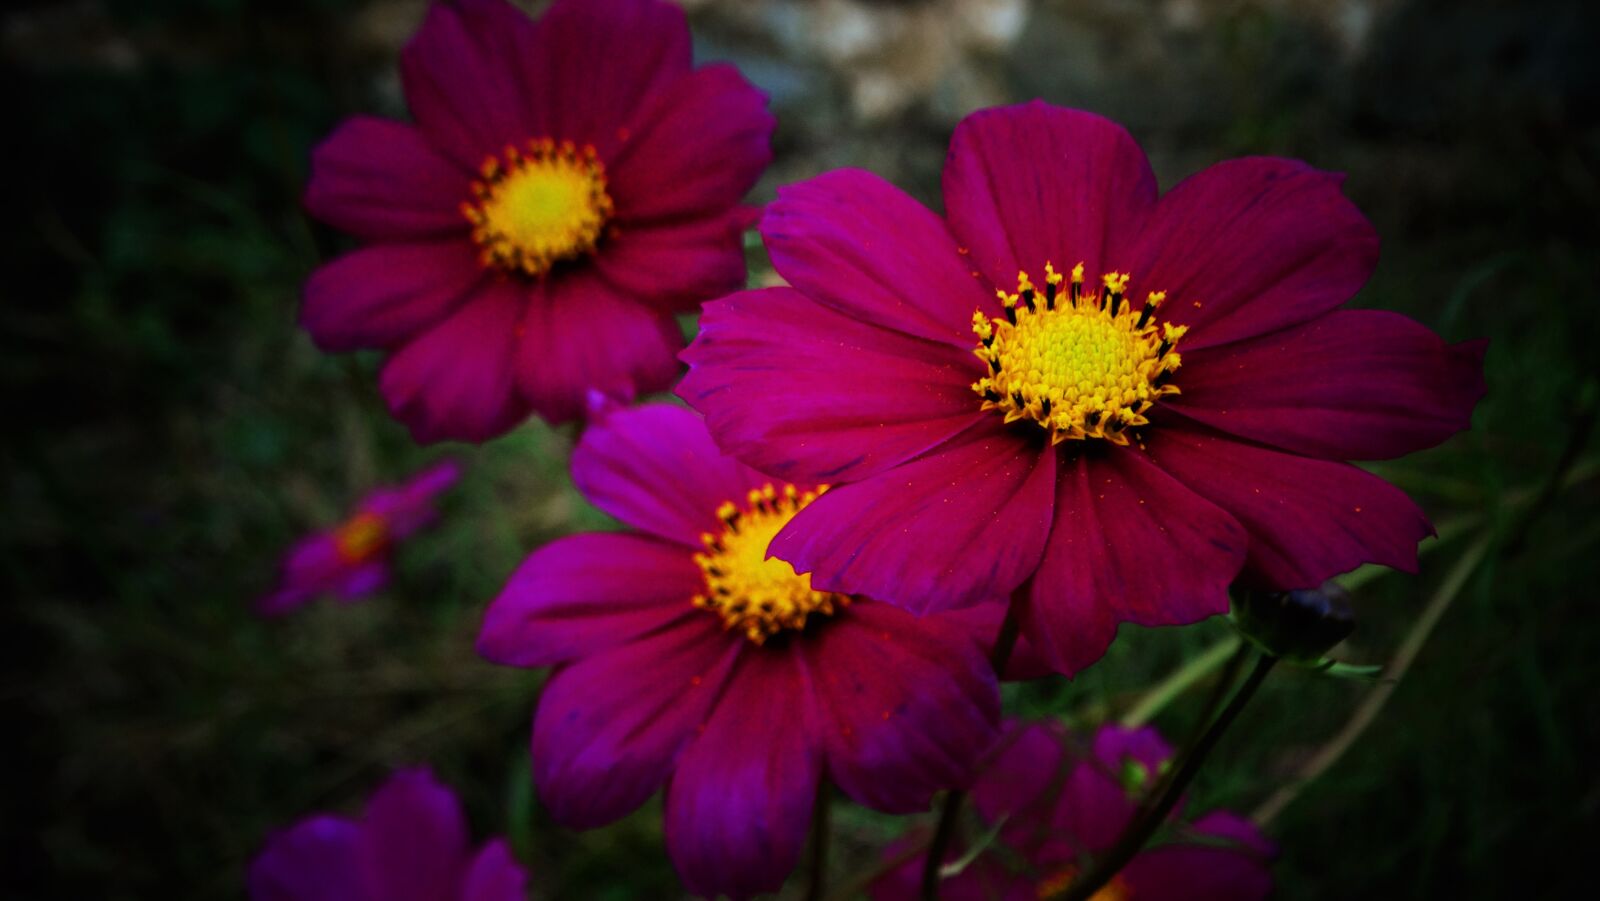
752 593
538 205
361 537
1056 884
1082 364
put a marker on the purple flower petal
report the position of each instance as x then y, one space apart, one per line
695 151
1206 872
1354 384
809 395
407 508
413 844
654 467
907 705
1250 246
382 181
495 875
459 73
313 860
579 335
362 581
674 266
1021 782
962 524
739 804
855 243
584 594
455 381
1308 519
1030 184
610 725
1129 544
312 566
384 295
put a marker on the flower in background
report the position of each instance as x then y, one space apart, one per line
410 844
351 560
569 184
1115 402
684 656
1057 805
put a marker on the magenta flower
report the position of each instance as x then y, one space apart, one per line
410 845
351 560
1001 396
684 656
1058 805
568 185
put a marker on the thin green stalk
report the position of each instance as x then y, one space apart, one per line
1167 690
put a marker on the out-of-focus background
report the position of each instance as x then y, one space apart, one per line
168 431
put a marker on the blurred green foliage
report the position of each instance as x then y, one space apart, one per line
170 432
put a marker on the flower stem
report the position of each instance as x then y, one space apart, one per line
1157 698
999 655
1142 826
820 833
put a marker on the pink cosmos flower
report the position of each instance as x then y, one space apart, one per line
569 184
1057 805
1116 402
351 560
684 656
410 845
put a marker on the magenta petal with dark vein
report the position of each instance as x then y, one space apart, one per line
610 726
383 295
674 266
810 395
313 860
1250 246
1130 544
1308 520
695 150
851 241
495 875
907 706
454 381
739 804
1030 184
655 468
578 334
588 593
1354 384
382 181
413 844
959 525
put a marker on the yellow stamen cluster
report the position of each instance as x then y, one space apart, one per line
756 595
1056 884
361 537
538 205
1081 363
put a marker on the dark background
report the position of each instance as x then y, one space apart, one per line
168 431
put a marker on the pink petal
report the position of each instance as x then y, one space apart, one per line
588 593
384 295
610 726
857 244
810 395
739 804
495 875
413 844
579 335
1308 519
694 151
654 467
1250 246
456 380
1129 544
382 180
674 266
1030 184
1354 384
1206 872
311 567
964 523
908 705
313 860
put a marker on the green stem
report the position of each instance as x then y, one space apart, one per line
1141 827
1167 690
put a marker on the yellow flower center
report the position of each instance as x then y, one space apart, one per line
1057 884
752 593
537 206
360 538
1083 364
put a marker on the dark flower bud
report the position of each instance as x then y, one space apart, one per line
1298 626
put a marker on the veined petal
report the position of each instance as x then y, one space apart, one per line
675 266
495 875
383 181
810 395
413 844
385 295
